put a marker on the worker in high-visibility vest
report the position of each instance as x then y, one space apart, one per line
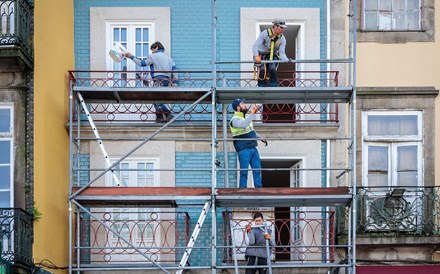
270 45
245 142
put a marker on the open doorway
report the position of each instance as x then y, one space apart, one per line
285 225
284 113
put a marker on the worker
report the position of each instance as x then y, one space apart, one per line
162 69
257 252
270 45
245 142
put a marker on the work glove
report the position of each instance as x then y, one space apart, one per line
254 109
266 236
248 228
257 59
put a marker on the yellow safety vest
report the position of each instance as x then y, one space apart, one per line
237 131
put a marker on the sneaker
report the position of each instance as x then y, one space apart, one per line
168 116
160 118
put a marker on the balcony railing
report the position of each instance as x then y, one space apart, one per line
162 236
16 236
15 24
268 113
398 211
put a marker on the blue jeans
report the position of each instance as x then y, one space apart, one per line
273 78
252 157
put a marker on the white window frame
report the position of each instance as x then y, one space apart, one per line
131 38
392 142
133 174
9 137
393 26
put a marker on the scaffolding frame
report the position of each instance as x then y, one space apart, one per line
225 198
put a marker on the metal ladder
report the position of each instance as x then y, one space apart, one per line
193 238
234 252
98 137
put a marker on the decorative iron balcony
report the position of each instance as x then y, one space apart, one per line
16 236
15 25
391 211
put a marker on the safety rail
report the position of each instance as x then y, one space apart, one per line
162 235
300 236
397 210
16 235
199 79
131 113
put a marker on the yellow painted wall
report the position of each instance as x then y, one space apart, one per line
54 56
410 64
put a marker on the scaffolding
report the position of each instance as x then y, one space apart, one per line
92 227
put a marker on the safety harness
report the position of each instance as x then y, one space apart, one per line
257 69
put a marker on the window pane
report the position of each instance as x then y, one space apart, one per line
399 21
399 5
116 35
138 35
371 21
146 35
5 120
413 19
385 21
377 166
5 177
413 5
385 5
124 34
392 125
5 152
5 200
370 4
377 180
407 165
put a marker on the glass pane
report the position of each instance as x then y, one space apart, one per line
377 159
138 50
392 125
413 5
116 36
407 158
5 120
145 49
5 200
370 4
138 34
399 22
5 177
376 180
399 5
371 21
146 37
385 5
407 178
5 152
384 21
124 34
413 20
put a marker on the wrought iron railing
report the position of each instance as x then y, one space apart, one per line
302 236
146 113
15 24
397 210
160 235
16 234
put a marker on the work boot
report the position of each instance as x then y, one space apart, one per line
168 116
160 117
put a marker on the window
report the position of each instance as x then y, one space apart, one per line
135 37
392 148
392 15
136 173
6 156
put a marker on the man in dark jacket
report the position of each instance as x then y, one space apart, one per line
242 128
257 252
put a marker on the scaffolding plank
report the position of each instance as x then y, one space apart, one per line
283 197
225 197
286 94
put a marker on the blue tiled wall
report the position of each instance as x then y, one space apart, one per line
191 28
202 179
84 163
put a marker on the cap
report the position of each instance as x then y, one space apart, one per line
279 22
236 102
